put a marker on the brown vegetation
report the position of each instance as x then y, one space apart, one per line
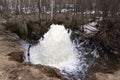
109 27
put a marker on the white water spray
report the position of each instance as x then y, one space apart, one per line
55 50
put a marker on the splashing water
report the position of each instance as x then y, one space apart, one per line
57 50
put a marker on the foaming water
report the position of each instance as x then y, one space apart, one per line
56 49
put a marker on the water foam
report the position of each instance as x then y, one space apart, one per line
56 49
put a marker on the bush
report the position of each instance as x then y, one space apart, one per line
109 34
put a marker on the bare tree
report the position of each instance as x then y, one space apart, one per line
52 2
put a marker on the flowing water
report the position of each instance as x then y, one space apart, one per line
56 49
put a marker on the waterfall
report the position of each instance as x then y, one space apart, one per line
57 50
